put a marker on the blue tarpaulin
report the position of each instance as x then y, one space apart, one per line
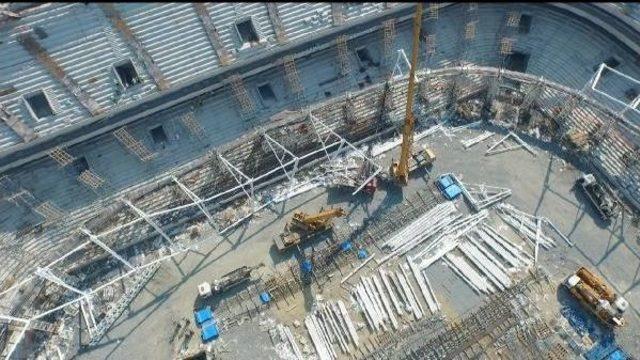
346 246
452 192
445 181
209 331
306 266
265 297
617 355
362 254
203 315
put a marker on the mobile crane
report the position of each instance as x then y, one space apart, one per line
425 156
596 296
304 225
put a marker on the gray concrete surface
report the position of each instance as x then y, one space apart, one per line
541 185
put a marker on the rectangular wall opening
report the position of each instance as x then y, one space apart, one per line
365 58
525 24
39 104
158 135
79 165
247 31
517 61
127 74
266 94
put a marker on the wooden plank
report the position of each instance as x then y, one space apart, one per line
36 50
19 127
274 16
212 33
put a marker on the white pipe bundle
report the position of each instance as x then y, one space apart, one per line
448 240
525 224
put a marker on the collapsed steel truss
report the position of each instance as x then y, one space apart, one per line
332 145
288 164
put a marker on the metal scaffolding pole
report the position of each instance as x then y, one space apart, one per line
14 346
234 170
271 142
148 219
195 198
317 123
104 246
46 274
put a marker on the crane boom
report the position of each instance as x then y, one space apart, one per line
401 171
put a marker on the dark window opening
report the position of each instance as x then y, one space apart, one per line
39 105
612 62
631 94
525 24
40 32
247 31
158 135
327 93
127 74
517 61
80 165
365 57
267 94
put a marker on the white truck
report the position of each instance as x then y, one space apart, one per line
603 202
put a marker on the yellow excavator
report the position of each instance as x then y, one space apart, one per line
399 170
303 225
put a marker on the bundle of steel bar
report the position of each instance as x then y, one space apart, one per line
328 324
287 336
482 196
448 240
476 140
421 229
525 224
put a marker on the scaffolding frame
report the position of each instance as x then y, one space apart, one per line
62 157
91 179
292 78
173 252
242 97
133 145
388 37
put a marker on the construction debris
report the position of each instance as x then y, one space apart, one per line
511 135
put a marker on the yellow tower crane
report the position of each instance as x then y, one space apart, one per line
400 170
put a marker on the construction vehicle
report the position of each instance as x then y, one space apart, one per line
599 197
302 226
227 281
400 170
596 296
425 157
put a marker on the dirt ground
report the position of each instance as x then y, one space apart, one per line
541 185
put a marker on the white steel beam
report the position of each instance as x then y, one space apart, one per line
14 346
234 170
46 274
195 198
317 123
106 248
148 219
271 142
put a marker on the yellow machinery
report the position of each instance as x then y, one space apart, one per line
304 225
594 294
400 170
